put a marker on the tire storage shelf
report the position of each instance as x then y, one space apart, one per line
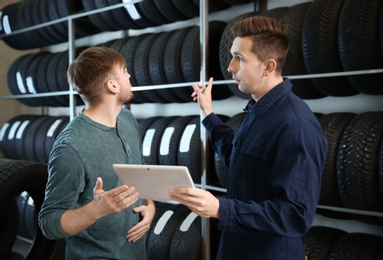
171 44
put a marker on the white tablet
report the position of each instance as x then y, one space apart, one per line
153 181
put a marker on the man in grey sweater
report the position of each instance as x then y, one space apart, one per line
85 202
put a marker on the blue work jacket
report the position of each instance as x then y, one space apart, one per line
275 162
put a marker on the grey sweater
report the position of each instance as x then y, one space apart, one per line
84 151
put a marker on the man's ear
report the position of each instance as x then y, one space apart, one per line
113 86
270 66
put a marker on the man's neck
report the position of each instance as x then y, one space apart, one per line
103 115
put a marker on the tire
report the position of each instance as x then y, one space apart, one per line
189 149
358 164
152 139
333 126
294 64
319 241
187 240
359 44
17 176
320 47
356 246
8 232
170 140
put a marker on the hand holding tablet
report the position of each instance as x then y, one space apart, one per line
153 181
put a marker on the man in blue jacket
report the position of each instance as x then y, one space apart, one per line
275 159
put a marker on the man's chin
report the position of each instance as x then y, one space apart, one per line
242 90
127 99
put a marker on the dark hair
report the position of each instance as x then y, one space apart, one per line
269 38
91 69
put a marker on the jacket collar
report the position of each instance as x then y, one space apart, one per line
268 100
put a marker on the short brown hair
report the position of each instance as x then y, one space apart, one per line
269 38
90 70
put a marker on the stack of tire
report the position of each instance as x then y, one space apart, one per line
327 36
152 59
30 137
175 233
28 13
169 58
41 72
324 243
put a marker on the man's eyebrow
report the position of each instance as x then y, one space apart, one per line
236 53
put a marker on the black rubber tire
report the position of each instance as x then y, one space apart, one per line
83 26
168 148
169 10
294 64
11 20
333 125
358 163
152 13
359 44
18 176
187 7
145 124
127 51
172 56
30 135
50 78
36 39
319 240
48 9
12 78
320 47
156 67
10 138
138 17
125 21
61 75
96 18
9 231
22 131
356 246
39 140
152 139
141 68
31 81
191 60
107 17
19 76
172 62
159 239
42 83
189 150
187 239
54 130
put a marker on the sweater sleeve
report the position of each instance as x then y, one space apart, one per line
61 191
